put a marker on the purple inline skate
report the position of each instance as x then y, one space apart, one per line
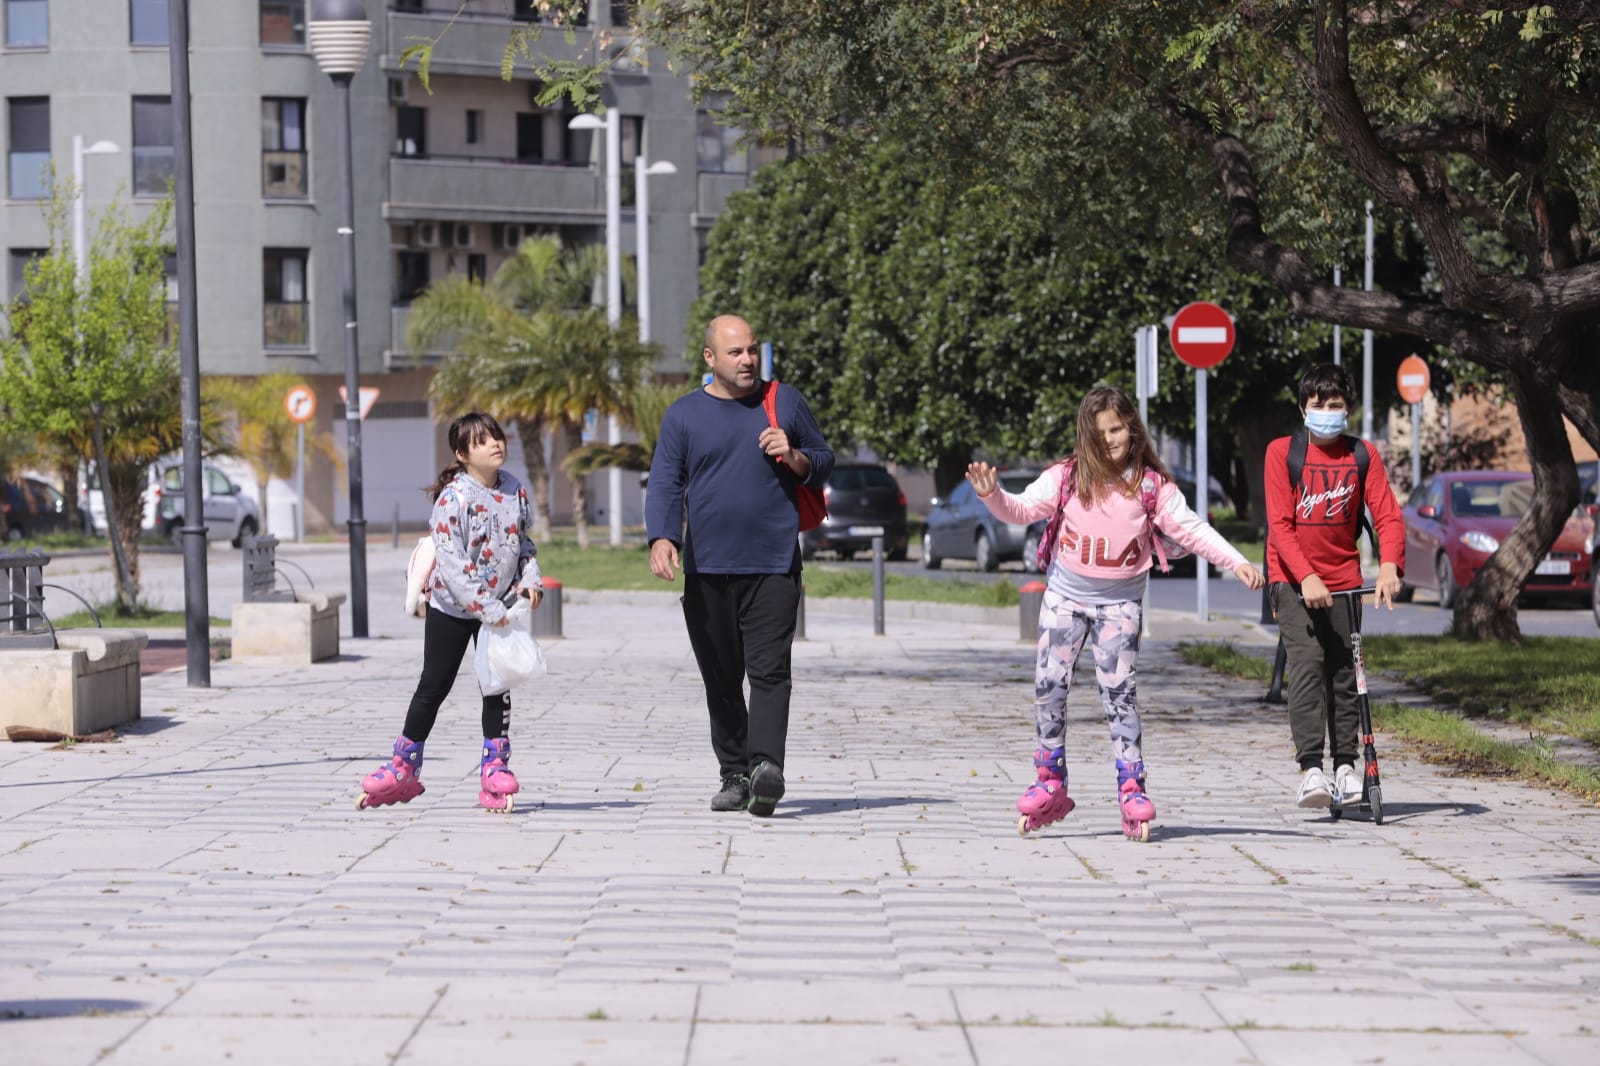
497 785
1137 810
1046 800
396 781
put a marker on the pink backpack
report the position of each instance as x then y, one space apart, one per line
1165 547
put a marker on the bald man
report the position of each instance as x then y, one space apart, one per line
722 508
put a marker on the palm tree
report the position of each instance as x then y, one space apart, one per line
533 350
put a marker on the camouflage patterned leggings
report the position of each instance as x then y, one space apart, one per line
1064 626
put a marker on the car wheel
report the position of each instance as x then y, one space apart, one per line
1448 593
983 553
14 533
247 528
930 561
1405 593
1030 553
898 555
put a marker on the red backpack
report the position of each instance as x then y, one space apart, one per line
1165 547
813 505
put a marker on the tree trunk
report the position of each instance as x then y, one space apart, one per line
122 490
1487 609
580 486
69 489
1252 437
948 472
530 431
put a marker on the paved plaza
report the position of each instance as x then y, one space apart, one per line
205 890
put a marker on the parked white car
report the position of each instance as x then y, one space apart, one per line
229 512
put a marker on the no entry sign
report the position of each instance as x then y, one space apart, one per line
1202 335
1412 379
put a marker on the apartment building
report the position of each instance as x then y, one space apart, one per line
447 180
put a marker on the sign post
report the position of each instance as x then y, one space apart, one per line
1412 379
301 403
1202 336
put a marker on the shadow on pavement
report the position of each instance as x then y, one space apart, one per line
801 808
16 1010
250 767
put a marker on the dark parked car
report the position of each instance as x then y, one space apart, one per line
864 501
30 507
1455 521
959 526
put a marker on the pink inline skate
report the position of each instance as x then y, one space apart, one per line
1137 810
497 784
396 781
1046 801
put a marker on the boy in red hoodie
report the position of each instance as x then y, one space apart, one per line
1312 533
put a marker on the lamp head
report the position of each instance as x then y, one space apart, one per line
661 166
102 148
337 34
587 122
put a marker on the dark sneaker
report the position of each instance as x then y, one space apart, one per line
766 789
734 795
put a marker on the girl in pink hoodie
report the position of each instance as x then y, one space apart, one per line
1109 497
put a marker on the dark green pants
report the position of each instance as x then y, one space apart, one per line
1321 672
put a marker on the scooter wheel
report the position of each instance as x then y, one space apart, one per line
1375 801
1336 812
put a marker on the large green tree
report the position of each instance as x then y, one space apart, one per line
1263 124
87 362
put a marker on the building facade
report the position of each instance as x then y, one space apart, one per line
448 179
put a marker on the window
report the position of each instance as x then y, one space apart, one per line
285 298
622 12
17 276
407 5
530 136
27 23
152 145
576 145
169 265
630 136
474 126
29 123
715 146
477 266
283 23
147 21
283 147
411 276
528 11
411 131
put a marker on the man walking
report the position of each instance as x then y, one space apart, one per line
720 459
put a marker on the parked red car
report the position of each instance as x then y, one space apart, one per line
1456 520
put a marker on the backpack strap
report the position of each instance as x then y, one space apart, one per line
1149 495
769 402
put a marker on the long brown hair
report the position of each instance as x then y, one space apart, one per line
471 428
1095 473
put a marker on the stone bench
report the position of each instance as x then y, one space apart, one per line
88 683
305 630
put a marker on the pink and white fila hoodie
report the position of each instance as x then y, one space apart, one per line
1110 537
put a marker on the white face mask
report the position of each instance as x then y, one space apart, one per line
1327 423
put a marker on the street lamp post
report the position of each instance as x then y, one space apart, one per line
613 174
642 173
337 34
80 246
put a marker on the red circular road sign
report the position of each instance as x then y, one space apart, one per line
301 403
1412 379
1202 335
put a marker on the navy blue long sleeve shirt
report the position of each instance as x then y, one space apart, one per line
740 504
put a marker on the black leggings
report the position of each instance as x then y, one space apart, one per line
444 645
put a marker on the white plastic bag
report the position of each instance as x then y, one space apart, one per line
419 568
508 655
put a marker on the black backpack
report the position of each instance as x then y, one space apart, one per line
1361 450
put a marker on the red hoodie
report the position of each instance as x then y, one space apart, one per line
1316 532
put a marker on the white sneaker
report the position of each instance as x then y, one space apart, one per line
1347 784
1314 789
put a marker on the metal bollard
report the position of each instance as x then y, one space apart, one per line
394 528
800 615
547 619
1030 600
877 586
